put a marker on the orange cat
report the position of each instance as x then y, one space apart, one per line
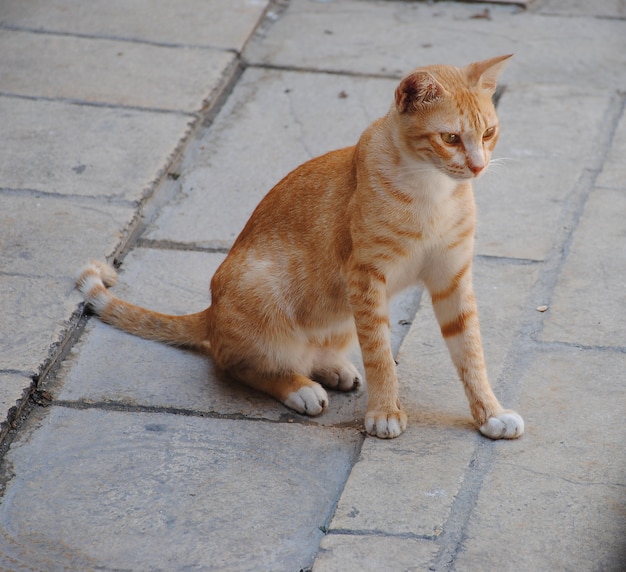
317 262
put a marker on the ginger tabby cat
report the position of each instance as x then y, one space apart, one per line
316 264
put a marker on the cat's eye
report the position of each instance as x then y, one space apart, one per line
450 138
489 133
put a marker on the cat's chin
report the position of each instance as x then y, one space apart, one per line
460 177
464 177
457 175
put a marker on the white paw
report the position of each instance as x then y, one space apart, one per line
507 425
344 377
309 400
384 424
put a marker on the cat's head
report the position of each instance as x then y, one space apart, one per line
447 117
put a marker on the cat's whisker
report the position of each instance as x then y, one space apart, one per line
497 166
500 160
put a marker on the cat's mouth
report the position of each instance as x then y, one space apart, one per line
464 176
466 173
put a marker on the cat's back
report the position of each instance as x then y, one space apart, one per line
310 201
290 254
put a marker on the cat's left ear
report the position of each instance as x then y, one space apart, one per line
417 89
484 74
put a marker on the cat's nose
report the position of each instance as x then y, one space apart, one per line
476 169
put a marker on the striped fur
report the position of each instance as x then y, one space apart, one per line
313 269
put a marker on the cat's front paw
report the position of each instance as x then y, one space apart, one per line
385 424
506 425
308 400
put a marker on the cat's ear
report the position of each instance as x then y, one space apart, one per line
417 89
485 74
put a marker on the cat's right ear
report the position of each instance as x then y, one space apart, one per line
417 89
485 74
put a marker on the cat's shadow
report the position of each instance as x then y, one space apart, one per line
345 409
441 419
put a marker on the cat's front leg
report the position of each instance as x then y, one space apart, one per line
368 298
457 314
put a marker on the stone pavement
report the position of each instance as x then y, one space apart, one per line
148 135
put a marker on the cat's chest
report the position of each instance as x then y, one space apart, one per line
436 215
440 230
411 268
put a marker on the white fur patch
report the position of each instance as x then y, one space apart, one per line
507 425
94 291
308 400
93 282
100 301
89 283
106 271
383 425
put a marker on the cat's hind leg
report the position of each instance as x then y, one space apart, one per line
335 371
330 364
292 389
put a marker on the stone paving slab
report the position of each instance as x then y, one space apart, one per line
602 8
572 383
405 486
230 167
586 538
63 203
613 173
225 24
554 499
13 389
589 304
100 489
66 149
37 283
29 220
170 281
35 320
373 553
129 74
520 199
393 37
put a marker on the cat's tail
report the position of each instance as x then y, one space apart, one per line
186 331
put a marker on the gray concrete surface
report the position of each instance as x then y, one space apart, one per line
149 134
